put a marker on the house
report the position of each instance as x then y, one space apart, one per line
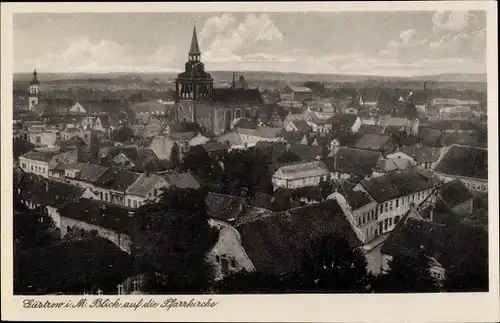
216 149
223 210
372 128
162 145
457 197
466 163
382 143
462 138
77 109
233 139
145 156
392 164
81 174
103 124
180 180
301 175
424 157
37 191
146 187
344 163
42 162
274 242
297 125
414 235
113 185
42 137
296 93
396 124
360 210
115 223
276 121
245 123
70 133
308 152
85 266
396 191
345 122
144 111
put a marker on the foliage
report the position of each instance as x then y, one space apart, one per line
246 173
199 163
124 134
407 275
173 241
331 265
251 282
20 147
33 228
175 158
467 260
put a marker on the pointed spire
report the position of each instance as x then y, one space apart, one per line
35 77
234 80
195 49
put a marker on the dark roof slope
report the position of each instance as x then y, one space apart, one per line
117 179
276 243
69 266
398 183
422 154
353 161
372 141
100 213
223 207
455 192
39 155
464 161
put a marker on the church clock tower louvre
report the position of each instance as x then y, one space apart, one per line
193 86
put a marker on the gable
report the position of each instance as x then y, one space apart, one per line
399 154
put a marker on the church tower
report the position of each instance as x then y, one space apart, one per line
34 92
193 85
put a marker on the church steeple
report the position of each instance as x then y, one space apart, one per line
35 78
194 50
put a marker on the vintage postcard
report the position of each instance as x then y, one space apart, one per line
309 162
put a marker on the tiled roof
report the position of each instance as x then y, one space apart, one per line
232 137
47 192
67 266
372 141
397 184
422 154
103 214
343 121
39 155
276 242
392 164
301 125
246 123
223 207
307 152
90 172
464 161
144 184
412 236
262 132
181 180
215 146
461 138
455 192
131 152
371 128
230 95
302 170
357 199
182 136
353 161
117 179
144 156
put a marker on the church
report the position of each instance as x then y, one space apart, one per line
212 108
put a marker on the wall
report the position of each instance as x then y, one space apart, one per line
229 244
34 166
296 183
162 147
473 184
121 240
464 208
357 124
43 139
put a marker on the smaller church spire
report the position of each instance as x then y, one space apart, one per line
233 85
35 78
195 49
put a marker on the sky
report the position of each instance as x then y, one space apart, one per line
370 43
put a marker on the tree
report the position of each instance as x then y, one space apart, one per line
20 147
173 240
33 228
251 282
467 269
331 265
407 274
124 134
198 162
175 158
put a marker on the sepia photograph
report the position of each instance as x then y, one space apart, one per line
250 152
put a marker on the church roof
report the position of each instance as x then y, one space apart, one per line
195 49
35 79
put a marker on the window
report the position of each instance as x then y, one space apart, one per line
135 203
156 192
386 207
396 219
386 222
390 205
397 203
390 221
68 229
99 292
120 289
381 208
106 197
128 203
359 221
233 263
217 258
24 165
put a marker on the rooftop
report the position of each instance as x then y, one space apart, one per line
464 161
303 170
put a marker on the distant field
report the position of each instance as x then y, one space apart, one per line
460 82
